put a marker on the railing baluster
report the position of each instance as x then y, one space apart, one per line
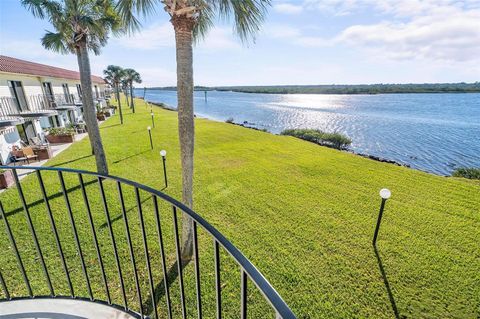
55 232
218 287
243 295
75 233
130 247
162 253
197 270
112 238
147 255
94 235
32 231
179 263
15 250
4 286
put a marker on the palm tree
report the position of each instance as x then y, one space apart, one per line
132 76
80 27
191 19
114 75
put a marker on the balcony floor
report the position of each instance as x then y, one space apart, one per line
50 308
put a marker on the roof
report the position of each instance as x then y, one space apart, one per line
13 65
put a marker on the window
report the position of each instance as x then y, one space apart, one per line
66 92
96 91
79 91
17 92
26 131
47 88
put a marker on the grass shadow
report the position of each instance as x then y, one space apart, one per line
159 291
128 157
71 161
387 284
120 216
53 196
109 126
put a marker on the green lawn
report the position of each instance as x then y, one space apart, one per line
303 214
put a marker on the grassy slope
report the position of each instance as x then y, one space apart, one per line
304 215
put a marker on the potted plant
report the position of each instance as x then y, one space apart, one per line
6 178
60 135
100 116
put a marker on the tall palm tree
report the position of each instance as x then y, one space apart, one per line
132 76
114 75
80 26
191 20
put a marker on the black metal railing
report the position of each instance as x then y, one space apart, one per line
130 261
35 104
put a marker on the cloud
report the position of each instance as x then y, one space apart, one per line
155 36
287 8
156 76
440 30
218 39
452 35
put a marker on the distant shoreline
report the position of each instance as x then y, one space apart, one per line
368 89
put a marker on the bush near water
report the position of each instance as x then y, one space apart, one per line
467 172
335 140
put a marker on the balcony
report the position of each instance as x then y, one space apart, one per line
78 244
38 106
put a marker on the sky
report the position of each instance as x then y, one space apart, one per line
300 42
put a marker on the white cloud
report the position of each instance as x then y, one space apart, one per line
153 37
279 31
218 39
452 35
156 76
159 36
288 8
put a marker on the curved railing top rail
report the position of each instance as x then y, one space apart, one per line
271 295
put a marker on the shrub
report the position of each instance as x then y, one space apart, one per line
335 140
229 120
61 131
467 172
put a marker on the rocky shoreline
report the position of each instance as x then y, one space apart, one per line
252 126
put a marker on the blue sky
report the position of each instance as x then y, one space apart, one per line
301 42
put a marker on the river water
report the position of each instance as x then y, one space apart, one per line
431 132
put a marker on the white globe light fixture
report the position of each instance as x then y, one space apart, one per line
149 128
163 153
385 193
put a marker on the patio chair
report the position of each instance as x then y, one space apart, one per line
29 154
37 142
17 155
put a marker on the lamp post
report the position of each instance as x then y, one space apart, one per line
384 194
153 121
150 135
163 153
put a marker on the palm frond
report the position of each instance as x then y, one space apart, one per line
56 42
128 8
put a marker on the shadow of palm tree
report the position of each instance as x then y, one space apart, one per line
41 201
120 216
387 284
71 161
159 291
109 126
128 157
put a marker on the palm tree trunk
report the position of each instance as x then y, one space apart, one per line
119 103
131 98
89 109
186 131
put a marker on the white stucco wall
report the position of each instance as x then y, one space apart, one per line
7 140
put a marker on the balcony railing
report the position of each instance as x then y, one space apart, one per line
86 236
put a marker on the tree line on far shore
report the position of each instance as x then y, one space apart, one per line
345 89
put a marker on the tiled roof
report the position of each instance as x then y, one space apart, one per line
13 65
